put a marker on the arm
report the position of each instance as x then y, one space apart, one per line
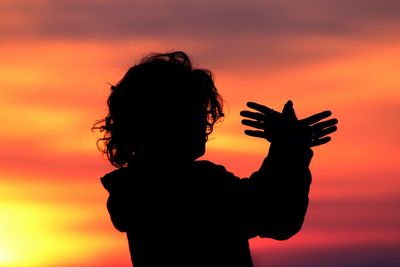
280 188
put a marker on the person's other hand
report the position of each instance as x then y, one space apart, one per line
270 124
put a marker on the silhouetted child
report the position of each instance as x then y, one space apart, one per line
179 211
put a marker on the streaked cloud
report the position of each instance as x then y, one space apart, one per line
235 31
166 19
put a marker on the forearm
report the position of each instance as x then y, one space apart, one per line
282 186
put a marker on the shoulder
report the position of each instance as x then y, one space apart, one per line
115 180
210 169
206 165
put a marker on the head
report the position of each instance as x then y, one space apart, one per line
162 108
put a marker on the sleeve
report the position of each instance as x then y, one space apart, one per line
273 201
281 188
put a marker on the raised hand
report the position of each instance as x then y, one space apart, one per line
317 129
269 122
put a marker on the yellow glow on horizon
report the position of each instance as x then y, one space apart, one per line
29 230
37 233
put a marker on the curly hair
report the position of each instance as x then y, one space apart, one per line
154 89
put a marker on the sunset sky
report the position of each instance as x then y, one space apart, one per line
57 58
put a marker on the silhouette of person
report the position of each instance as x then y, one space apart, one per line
181 211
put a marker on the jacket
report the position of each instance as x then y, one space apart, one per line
200 214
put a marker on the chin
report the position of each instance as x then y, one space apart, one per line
198 152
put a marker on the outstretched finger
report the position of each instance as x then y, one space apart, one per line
252 115
316 117
255 124
260 134
324 132
324 124
321 141
263 109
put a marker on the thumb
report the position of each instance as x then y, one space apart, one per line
288 112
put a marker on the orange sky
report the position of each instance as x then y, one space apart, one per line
54 86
